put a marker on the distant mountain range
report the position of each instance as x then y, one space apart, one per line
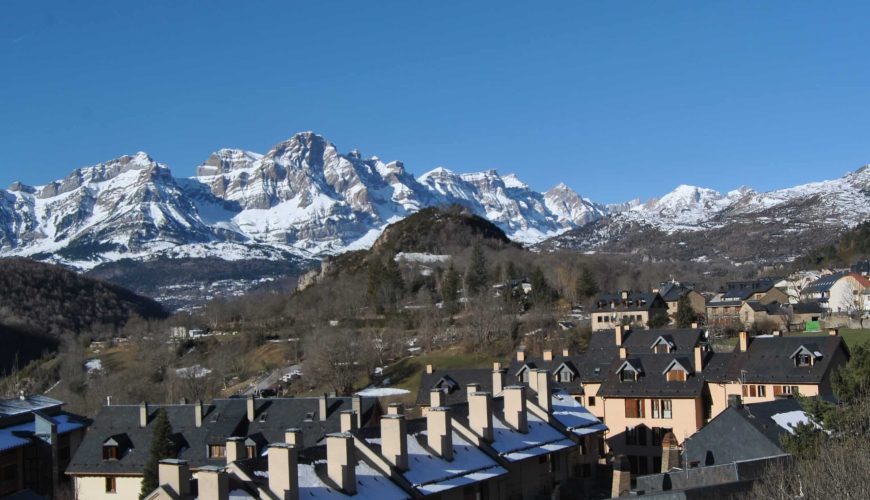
304 199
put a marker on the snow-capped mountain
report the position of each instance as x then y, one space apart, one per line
302 196
693 223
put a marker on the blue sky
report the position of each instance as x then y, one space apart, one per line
616 99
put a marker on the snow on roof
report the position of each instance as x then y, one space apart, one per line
19 435
541 438
574 416
791 419
369 483
430 473
376 392
18 406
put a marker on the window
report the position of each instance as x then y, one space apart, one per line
217 451
804 360
658 434
666 408
565 376
252 451
655 405
755 391
762 392
630 436
591 400
111 487
676 375
657 464
110 452
634 408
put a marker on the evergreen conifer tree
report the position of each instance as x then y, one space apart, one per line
587 286
476 277
162 447
685 314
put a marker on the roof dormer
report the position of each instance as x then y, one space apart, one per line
677 371
115 447
664 344
806 355
446 384
565 373
628 372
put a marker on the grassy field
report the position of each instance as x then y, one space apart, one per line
852 337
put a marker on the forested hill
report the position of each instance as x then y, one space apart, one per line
851 246
41 303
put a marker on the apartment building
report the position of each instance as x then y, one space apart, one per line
626 307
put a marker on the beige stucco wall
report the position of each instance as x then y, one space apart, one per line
687 418
719 394
94 488
598 326
592 390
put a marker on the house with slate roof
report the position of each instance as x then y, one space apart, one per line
841 292
724 308
626 307
37 439
754 313
673 291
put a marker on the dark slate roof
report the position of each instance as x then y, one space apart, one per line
222 419
652 381
742 433
636 301
823 284
768 360
757 306
743 289
671 292
812 307
461 376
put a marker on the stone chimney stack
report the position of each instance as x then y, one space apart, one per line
694 325
833 332
480 414
429 369
348 421
623 353
515 407
236 449
293 436
341 462
213 483
621 476
143 415
197 413
670 452
471 389
283 471
252 409
356 405
521 356
743 341
394 440
436 398
175 474
548 355
395 409
322 407
498 375
544 390
618 335
566 352
439 432
699 359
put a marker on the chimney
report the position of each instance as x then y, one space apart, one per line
621 476
394 440
471 389
623 353
322 407
694 325
341 462
548 355
251 408
618 335
395 409
175 474
735 401
515 407
439 432
832 332
670 452
429 369
699 359
624 294
544 390
480 414
497 378
521 356
348 421
213 482
776 333
293 436
197 413
283 471
143 415
566 352
356 405
108 400
236 449
436 398
533 379
743 341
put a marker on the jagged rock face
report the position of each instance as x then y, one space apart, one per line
305 197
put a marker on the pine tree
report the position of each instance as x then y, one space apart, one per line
685 314
476 276
541 291
587 286
450 287
162 447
